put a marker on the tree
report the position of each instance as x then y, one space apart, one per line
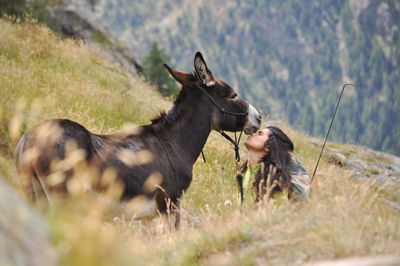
20 8
156 74
13 7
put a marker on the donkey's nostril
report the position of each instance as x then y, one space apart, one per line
254 120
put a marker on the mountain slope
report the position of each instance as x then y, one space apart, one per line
288 58
44 77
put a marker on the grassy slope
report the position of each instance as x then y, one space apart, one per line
43 77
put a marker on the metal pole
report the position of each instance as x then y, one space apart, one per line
330 126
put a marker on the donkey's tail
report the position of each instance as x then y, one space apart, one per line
31 183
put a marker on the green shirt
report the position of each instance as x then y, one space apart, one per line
249 176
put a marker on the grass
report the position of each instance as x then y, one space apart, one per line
373 171
43 77
99 37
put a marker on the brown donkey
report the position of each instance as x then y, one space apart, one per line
153 162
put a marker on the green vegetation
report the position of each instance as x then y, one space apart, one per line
13 7
100 38
373 171
155 73
18 9
288 58
43 77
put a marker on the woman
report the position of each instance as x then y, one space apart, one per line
274 167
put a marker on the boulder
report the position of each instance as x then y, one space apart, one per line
24 235
387 260
78 20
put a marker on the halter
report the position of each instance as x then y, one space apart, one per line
234 142
222 109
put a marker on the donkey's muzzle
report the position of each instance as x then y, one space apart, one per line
253 121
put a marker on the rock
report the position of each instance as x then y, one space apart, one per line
383 180
394 205
387 260
314 141
338 159
376 167
70 23
24 236
77 19
366 165
356 164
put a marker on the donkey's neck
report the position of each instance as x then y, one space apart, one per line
189 133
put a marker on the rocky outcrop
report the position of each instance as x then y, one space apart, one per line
76 19
24 236
388 260
367 164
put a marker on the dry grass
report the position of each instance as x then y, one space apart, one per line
43 77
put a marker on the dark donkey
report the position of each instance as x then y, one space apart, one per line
163 151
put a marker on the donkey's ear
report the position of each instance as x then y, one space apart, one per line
182 77
202 70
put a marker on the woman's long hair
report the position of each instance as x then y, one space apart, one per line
277 159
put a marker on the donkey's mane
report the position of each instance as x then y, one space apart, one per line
169 118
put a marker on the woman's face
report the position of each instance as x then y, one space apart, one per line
256 141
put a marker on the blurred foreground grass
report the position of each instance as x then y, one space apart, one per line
43 77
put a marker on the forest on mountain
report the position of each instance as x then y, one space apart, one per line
45 75
289 58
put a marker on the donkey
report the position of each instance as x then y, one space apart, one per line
152 161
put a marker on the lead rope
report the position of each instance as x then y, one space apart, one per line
239 177
235 145
204 157
234 142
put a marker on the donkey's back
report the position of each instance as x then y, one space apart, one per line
53 152
46 146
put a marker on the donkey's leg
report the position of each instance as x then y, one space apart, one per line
177 212
41 192
173 209
27 185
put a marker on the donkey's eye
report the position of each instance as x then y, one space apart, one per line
233 96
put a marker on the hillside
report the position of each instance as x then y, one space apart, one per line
43 76
287 57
